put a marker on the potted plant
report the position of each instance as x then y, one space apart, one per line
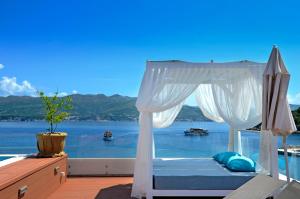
51 143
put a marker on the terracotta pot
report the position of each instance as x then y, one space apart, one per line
51 145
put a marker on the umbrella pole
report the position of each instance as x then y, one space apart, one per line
287 172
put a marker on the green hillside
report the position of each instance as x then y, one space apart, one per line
86 107
296 115
294 107
94 107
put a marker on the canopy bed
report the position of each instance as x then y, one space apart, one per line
228 92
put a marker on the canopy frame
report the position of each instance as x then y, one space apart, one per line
163 73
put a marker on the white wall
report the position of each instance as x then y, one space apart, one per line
101 166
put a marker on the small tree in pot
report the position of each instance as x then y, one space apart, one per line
51 143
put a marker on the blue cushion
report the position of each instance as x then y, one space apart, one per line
222 158
241 163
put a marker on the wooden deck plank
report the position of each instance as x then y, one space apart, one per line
94 187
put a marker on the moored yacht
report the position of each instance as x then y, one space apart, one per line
107 136
196 132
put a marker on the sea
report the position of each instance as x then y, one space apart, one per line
85 140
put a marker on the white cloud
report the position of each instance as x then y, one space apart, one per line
294 99
74 92
1 66
61 94
10 86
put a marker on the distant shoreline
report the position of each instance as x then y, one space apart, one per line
35 120
91 108
258 130
252 130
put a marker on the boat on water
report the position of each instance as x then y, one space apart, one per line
107 136
196 132
291 151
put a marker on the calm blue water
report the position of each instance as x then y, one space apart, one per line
85 140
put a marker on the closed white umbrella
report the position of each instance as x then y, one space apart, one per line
276 113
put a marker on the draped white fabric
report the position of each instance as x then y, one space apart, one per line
239 104
160 89
235 101
143 167
265 144
205 100
166 118
230 92
268 154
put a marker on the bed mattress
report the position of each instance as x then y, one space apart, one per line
196 174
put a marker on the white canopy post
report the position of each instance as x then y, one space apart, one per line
265 148
274 157
231 139
238 142
235 140
286 158
268 154
153 147
142 183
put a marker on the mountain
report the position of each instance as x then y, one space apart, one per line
294 107
296 115
94 107
86 107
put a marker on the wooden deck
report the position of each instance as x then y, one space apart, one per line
94 187
40 177
100 188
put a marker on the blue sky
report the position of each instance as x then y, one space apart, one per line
101 46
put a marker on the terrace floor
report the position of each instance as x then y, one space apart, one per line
95 188
42 181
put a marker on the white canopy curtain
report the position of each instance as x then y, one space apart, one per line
229 92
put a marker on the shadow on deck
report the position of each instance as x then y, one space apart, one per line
115 192
124 191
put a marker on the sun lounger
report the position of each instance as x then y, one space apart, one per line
259 187
291 191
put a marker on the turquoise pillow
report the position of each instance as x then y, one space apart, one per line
241 163
223 158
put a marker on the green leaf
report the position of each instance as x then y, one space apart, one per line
55 108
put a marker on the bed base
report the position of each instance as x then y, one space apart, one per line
157 192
